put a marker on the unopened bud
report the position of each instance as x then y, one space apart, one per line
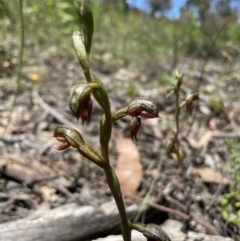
137 108
71 137
80 49
85 15
151 231
154 232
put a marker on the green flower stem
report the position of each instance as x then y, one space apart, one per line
119 114
90 153
101 96
105 134
105 130
117 194
88 76
82 45
137 226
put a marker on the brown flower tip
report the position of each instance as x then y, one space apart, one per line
134 127
85 110
64 145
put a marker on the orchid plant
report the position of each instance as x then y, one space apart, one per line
80 104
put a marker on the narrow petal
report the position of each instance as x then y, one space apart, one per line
134 127
86 110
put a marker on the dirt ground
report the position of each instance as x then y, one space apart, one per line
34 175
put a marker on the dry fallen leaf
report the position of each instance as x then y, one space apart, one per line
203 140
129 168
209 175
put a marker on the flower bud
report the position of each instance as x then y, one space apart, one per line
68 137
80 49
85 15
143 107
139 107
151 231
179 78
71 137
80 101
154 232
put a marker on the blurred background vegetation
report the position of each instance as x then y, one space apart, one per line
123 34
205 29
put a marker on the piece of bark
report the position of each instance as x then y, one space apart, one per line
66 223
19 172
26 173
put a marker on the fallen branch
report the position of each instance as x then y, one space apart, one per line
60 118
66 223
180 214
